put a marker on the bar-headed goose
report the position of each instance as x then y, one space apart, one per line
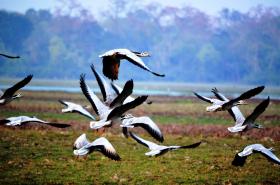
157 150
8 95
73 107
129 121
242 124
19 120
219 105
240 158
107 115
83 147
111 61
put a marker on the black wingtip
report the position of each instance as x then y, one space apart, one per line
239 161
157 74
59 125
61 101
192 145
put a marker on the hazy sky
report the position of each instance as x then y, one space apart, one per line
211 7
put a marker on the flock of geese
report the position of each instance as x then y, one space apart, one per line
116 102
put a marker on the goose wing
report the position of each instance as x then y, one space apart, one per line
105 147
58 125
144 142
10 91
234 111
77 108
269 155
257 111
194 145
150 126
117 90
95 102
245 95
120 110
134 59
106 90
209 100
9 56
127 90
80 142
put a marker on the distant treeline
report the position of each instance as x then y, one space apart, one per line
185 44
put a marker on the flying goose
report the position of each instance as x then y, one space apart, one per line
73 107
83 147
8 95
19 120
157 150
240 158
219 105
242 124
107 115
129 121
111 61
9 56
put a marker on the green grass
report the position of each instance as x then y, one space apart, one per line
38 155
45 157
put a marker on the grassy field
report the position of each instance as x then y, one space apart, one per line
38 154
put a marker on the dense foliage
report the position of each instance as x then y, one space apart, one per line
185 43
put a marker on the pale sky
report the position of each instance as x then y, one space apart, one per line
95 6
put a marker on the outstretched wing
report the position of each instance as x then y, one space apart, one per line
246 95
105 147
58 125
127 91
234 111
134 59
209 100
120 110
148 124
270 156
142 141
106 90
9 92
192 145
95 102
258 111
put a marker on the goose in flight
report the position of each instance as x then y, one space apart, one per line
129 121
8 95
107 115
242 124
219 105
111 61
157 150
240 158
83 147
9 56
73 107
19 120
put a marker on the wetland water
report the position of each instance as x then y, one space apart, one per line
149 88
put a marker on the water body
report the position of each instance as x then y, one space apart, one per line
146 88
